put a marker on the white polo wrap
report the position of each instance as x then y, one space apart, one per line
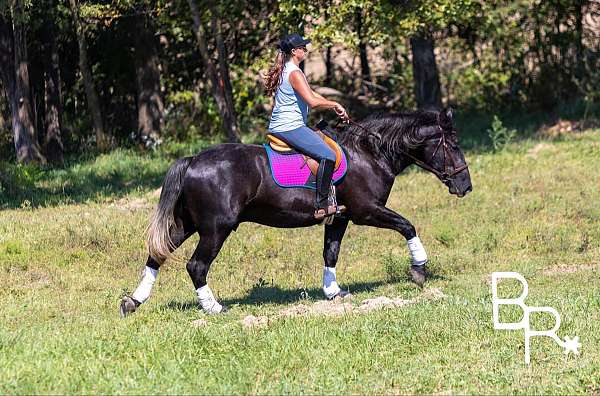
142 293
417 251
207 300
330 286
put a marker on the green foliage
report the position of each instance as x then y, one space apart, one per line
500 135
491 55
395 268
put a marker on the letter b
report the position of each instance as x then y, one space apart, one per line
496 302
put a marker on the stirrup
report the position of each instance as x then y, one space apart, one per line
332 210
321 213
327 214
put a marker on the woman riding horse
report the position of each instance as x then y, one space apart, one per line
293 97
213 192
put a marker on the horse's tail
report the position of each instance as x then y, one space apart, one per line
159 240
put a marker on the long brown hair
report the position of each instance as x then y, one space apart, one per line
273 76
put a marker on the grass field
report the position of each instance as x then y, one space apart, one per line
71 242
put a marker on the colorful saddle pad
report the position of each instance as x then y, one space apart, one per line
289 169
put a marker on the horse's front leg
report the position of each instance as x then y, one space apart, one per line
334 234
382 217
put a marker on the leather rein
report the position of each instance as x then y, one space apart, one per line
443 176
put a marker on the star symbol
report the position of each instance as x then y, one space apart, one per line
572 345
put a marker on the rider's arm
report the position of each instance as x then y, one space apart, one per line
318 95
312 99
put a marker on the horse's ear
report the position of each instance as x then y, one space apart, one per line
446 117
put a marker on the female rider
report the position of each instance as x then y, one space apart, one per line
293 97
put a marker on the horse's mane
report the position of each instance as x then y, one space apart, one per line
387 133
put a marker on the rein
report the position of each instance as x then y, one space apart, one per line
443 176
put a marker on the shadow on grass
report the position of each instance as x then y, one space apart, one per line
276 295
36 187
96 178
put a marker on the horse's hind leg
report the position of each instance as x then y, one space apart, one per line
179 234
208 248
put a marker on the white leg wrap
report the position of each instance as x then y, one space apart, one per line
330 286
145 287
417 251
207 300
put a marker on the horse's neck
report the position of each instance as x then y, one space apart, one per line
377 163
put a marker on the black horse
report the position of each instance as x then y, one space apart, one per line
228 184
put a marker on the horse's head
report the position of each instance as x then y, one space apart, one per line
442 156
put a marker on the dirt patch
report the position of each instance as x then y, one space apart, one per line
433 294
560 128
373 304
567 269
341 307
255 321
337 307
323 308
199 323
132 205
538 148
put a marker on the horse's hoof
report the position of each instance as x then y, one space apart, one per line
418 274
222 311
341 295
128 306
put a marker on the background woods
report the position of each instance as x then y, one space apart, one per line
83 76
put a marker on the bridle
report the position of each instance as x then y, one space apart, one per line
443 176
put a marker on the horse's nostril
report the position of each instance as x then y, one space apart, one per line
469 189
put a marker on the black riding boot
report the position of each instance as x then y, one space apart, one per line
324 175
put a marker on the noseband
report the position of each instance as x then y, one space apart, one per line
443 176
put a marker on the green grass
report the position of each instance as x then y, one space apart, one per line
66 258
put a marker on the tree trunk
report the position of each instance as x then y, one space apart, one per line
328 67
365 70
230 115
217 83
579 55
3 124
15 76
425 73
150 103
93 103
52 96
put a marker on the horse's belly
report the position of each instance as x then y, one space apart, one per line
280 217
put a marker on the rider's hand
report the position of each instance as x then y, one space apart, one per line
341 112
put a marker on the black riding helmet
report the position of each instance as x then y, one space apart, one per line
291 41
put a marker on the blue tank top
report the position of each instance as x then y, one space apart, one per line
290 110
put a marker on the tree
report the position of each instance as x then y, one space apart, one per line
426 79
15 78
218 75
53 145
93 103
362 46
149 100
